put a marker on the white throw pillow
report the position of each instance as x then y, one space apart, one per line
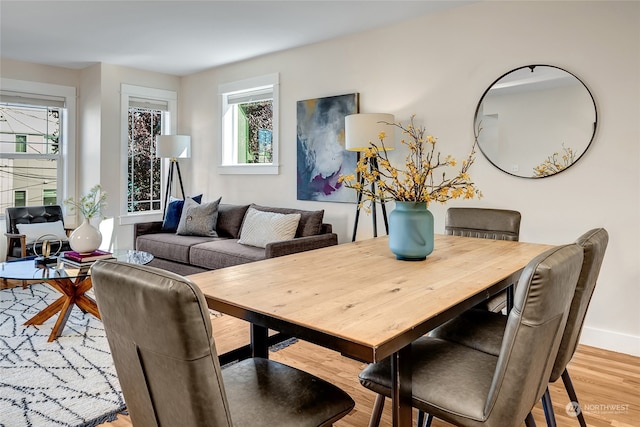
38 229
260 228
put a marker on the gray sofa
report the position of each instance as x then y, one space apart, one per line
194 254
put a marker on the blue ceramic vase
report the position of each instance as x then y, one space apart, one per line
411 231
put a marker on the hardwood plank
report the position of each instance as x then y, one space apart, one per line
600 378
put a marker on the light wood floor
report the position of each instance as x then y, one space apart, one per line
607 383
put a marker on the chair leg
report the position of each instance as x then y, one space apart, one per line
529 421
376 414
424 419
568 385
548 409
427 421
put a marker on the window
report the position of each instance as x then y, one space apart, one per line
21 143
250 126
36 142
49 196
146 114
19 198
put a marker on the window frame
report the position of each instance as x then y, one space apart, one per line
169 126
227 90
66 168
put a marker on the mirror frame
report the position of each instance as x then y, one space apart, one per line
532 67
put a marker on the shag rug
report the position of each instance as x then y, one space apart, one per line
69 382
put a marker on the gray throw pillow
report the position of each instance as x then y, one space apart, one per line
198 219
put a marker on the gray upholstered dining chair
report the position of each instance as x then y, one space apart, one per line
483 330
160 334
497 224
468 387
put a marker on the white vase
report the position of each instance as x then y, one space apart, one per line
86 238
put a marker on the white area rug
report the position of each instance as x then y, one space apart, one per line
69 382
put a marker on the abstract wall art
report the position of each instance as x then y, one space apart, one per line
322 157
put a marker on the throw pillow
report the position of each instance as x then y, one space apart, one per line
198 220
260 228
174 212
34 230
310 221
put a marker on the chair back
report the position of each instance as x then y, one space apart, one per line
497 224
532 335
159 331
594 244
31 215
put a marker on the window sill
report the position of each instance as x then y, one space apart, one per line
130 219
249 169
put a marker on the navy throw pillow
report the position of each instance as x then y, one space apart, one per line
174 212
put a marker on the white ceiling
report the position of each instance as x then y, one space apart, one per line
184 37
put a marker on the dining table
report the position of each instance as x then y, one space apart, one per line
358 299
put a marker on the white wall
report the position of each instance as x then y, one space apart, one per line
438 67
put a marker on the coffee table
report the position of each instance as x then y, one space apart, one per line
70 279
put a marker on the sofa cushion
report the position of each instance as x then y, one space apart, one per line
198 220
260 228
174 212
169 245
230 220
310 221
224 253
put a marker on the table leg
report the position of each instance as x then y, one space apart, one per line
401 387
73 292
49 311
259 341
65 312
510 297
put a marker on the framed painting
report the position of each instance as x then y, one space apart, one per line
322 157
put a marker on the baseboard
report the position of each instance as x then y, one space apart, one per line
609 340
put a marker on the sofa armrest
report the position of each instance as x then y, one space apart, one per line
142 228
326 228
300 244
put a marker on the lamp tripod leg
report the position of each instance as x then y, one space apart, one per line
166 193
373 165
359 200
384 216
180 179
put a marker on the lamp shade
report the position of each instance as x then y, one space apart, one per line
173 146
361 129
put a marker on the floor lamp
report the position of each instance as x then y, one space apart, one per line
173 147
360 130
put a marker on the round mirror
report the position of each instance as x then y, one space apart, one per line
535 121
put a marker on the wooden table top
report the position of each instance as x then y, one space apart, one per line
358 298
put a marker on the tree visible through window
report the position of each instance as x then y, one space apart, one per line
256 121
250 126
143 177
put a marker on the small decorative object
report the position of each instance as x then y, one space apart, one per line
411 231
413 188
44 257
86 238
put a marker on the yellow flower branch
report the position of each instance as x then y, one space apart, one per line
418 181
